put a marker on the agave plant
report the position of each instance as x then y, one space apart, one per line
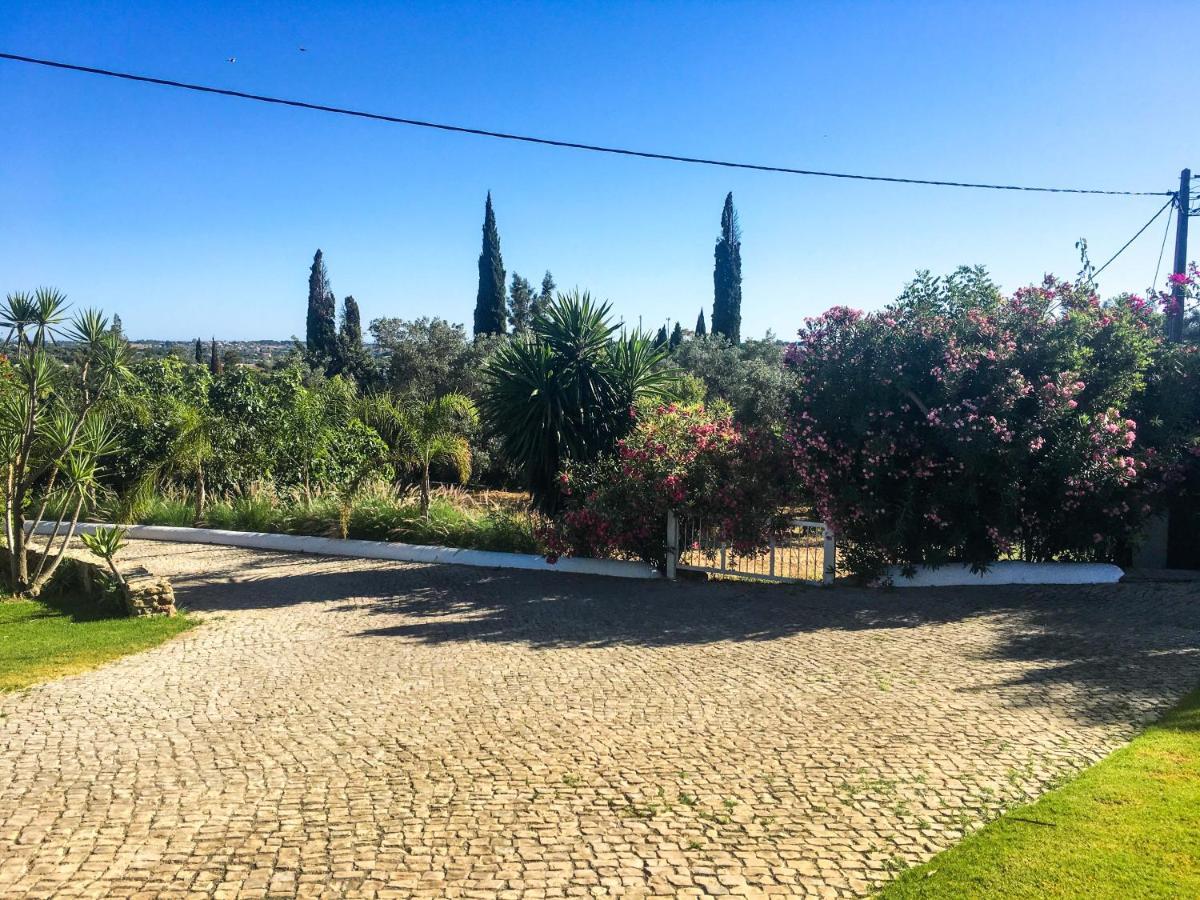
53 429
423 433
566 390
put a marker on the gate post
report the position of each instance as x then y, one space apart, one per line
672 543
830 558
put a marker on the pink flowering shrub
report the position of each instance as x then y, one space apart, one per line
1169 411
958 425
1187 285
691 459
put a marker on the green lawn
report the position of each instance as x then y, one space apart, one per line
40 639
1127 827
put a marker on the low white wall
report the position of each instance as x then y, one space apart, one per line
1009 572
377 550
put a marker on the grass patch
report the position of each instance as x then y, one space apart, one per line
47 638
1127 827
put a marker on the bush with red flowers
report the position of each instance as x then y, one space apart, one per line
694 460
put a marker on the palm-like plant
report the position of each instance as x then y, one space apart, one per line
423 433
192 449
106 543
566 391
53 430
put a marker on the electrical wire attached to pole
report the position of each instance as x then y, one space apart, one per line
1170 202
1161 250
550 142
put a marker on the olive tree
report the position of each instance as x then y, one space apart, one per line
54 430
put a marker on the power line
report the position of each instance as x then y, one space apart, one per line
1158 265
549 142
1170 202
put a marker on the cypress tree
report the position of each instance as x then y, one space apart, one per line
321 328
214 362
676 336
490 305
328 319
546 297
520 303
661 339
727 276
199 353
351 324
701 328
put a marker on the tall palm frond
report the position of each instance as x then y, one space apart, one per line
566 391
422 433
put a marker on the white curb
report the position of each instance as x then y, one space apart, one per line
291 543
1009 572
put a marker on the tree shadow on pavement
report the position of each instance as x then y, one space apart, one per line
1116 650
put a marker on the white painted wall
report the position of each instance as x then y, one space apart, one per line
1010 572
377 550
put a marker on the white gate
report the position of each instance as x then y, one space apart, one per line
802 552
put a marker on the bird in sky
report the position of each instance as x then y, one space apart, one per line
231 59
303 49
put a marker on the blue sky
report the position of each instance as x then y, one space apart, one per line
193 215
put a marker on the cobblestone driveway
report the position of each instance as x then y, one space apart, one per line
354 728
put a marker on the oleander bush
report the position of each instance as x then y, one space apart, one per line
961 425
695 460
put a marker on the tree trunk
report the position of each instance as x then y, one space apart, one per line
44 578
18 561
425 491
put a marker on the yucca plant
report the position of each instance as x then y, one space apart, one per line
53 428
106 543
566 391
422 433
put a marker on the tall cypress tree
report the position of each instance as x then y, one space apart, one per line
327 313
351 325
661 339
676 336
546 297
350 358
215 366
727 276
321 329
520 303
199 352
490 306
701 328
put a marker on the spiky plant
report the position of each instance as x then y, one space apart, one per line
106 543
566 391
54 431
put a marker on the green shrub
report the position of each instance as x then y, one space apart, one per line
378 513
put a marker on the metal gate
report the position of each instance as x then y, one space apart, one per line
804 551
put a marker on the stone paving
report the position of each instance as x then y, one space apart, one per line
347 728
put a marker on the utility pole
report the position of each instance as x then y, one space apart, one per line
1182 210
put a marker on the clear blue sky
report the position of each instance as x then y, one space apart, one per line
192 215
